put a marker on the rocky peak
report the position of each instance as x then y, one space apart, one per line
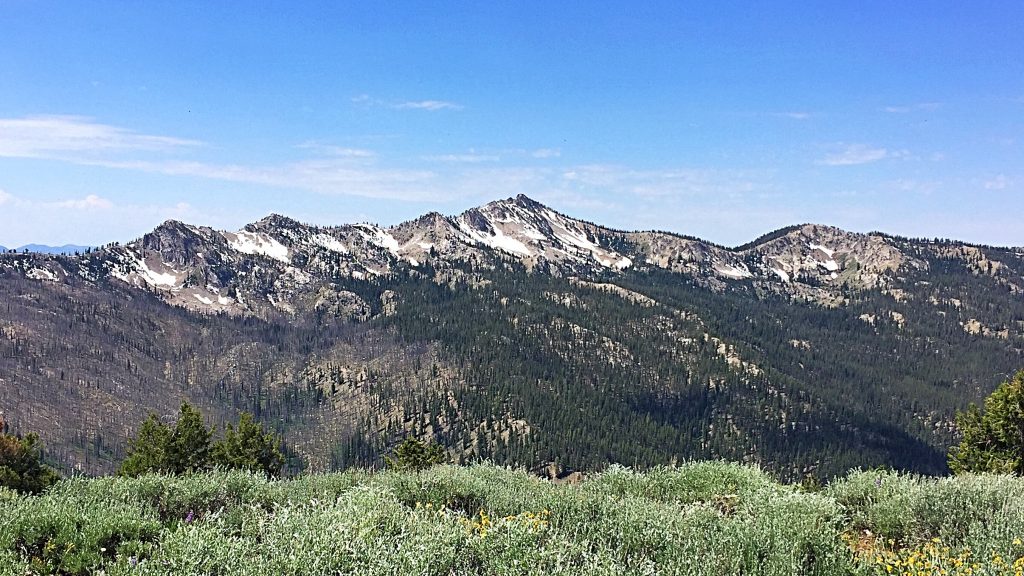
828 254
531 231
174 241
274 222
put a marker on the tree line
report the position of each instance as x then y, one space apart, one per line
992 440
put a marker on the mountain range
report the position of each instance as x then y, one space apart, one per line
67 249
519 334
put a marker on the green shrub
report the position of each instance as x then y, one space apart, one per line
21 464
415 455
700 519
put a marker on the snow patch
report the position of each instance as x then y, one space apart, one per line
733 271
256 243
379 237
142 270
203 299
782 274
576 238
155 278
41 274
828 251
330 242
499 240
830 265
533 234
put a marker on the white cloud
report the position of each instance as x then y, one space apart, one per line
926 106
664 183
336 170
59 136
331 150
1000 182
429 105
914 185
90 202
326 175
853 154
367 101
92 220
546 153
795 115
468 158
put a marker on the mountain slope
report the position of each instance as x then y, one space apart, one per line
516 333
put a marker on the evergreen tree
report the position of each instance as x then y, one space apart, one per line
21 466
413 454
147 452
249 447
161 448
993 440
189 448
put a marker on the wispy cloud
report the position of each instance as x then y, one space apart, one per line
334 176
343 171
546 153
925 106
90 202
91 220
1000 182
338 151
365 100
467 158
664 183
428 105
854 154
57 136
913 185
794 115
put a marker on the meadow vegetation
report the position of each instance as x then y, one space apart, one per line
700 518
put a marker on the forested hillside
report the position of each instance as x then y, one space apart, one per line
810 350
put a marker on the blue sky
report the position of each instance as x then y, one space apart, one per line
722 120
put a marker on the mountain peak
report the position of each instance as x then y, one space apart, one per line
524 200
274 220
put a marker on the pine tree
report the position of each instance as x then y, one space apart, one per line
249 447
413 454
147 452
189 448
993 440
171 450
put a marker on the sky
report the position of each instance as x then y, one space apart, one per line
722 120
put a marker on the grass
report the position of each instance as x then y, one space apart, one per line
701 518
